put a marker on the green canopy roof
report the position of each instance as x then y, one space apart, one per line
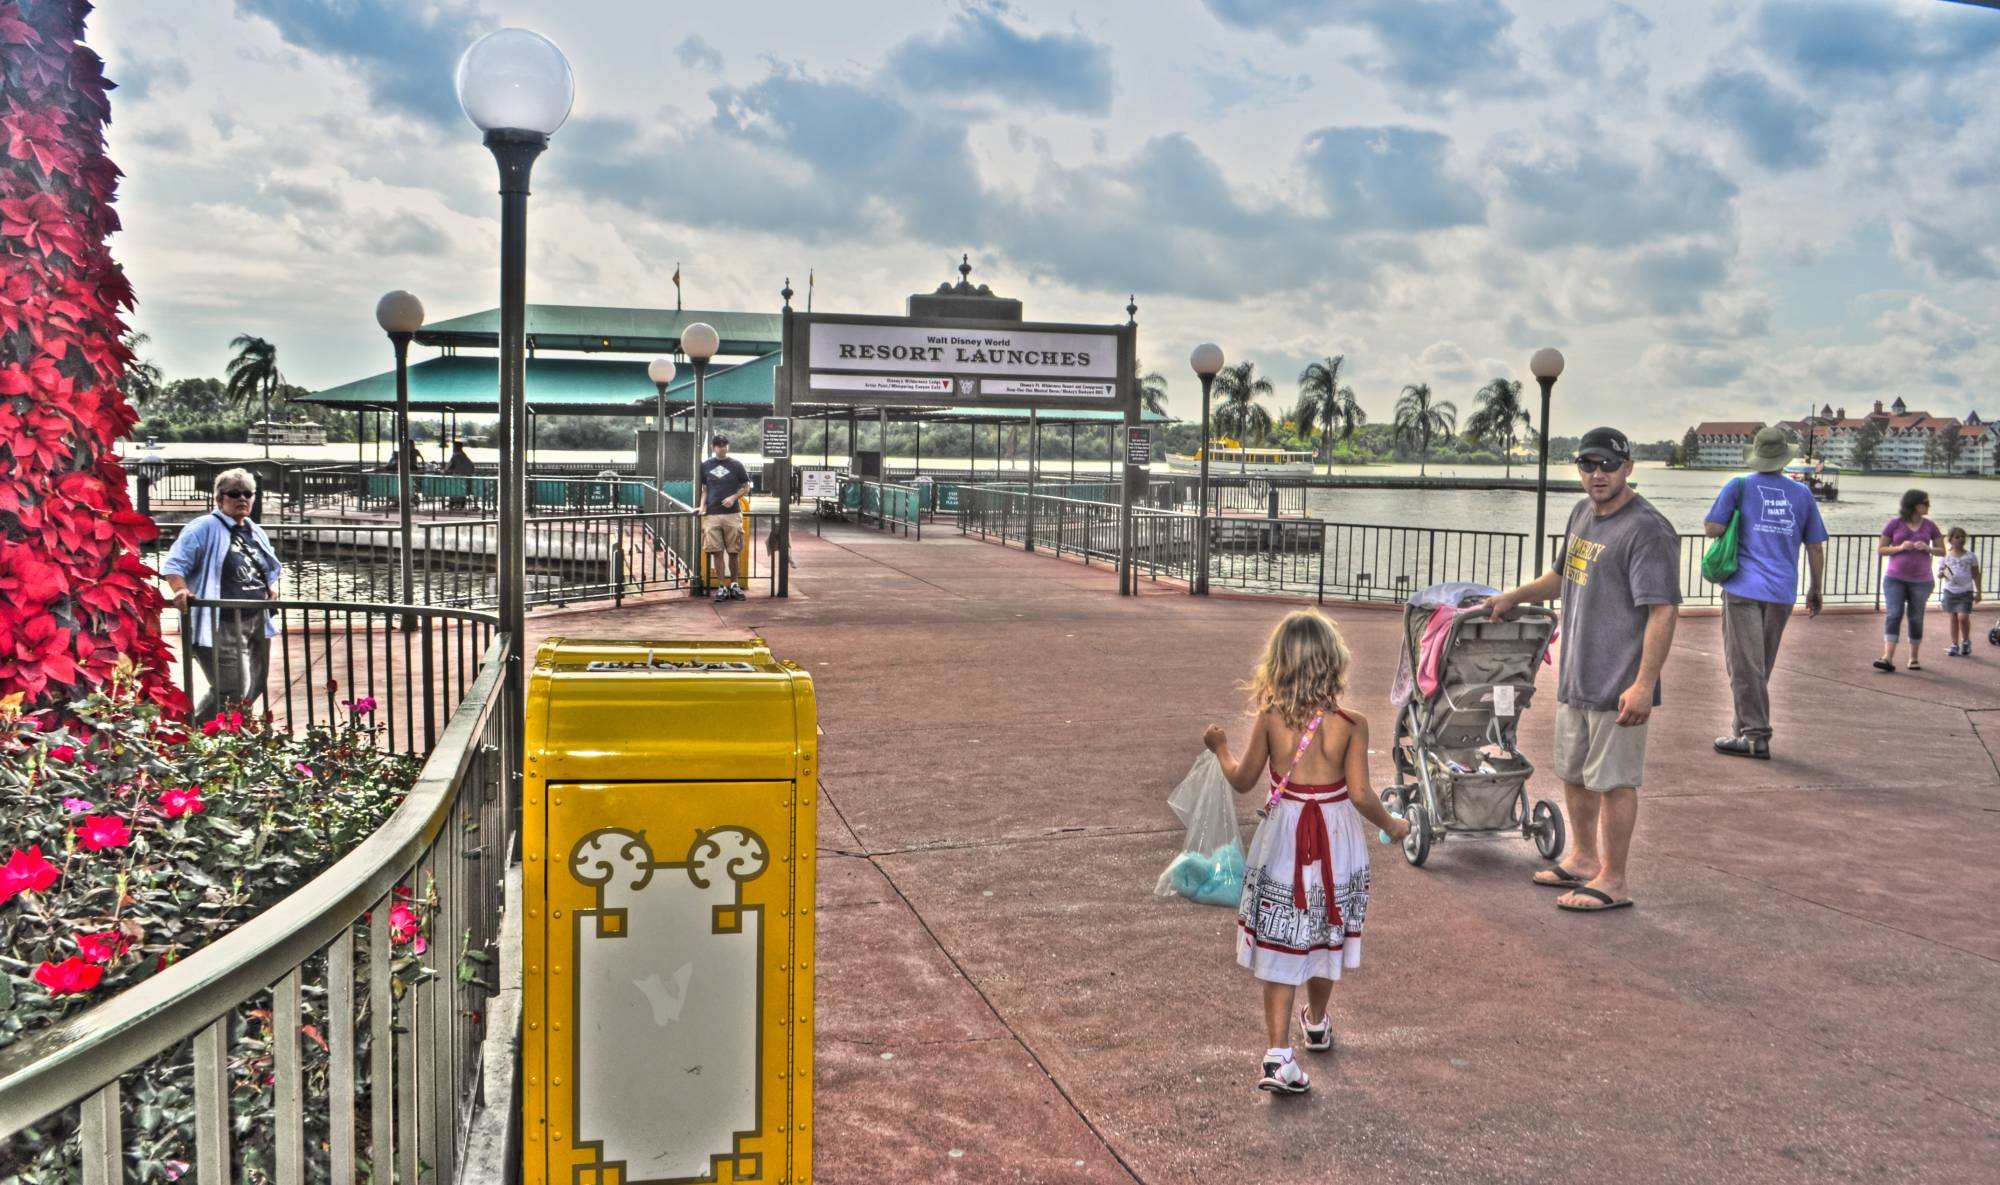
588 386
612 387
590 329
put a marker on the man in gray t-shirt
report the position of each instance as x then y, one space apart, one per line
1619 577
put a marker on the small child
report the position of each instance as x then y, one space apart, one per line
1305 884
1958 590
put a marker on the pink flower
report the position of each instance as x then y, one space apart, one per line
403 923
183 802
212 727
63 753
362 706
104 831
102 948
68 977
77 806
303 768
176 1169
26 872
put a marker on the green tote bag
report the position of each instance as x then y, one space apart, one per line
1718 563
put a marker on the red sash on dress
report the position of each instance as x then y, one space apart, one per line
1311 844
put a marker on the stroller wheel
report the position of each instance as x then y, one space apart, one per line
1547 828
1417 844
1396 798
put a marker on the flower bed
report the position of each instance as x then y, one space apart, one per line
128 843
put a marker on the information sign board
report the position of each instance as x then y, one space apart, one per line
819 483
1138 446
777 438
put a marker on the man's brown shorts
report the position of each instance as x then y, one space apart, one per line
722 533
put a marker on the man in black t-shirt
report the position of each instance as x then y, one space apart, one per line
719 501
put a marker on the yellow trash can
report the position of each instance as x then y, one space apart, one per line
667 842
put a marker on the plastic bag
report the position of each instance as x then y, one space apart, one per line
1209 868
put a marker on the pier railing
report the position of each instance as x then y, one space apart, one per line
891 506
1853 574
335 1036
1163 541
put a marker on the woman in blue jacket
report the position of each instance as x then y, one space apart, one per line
224 556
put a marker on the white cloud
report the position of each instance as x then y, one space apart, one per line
1291 178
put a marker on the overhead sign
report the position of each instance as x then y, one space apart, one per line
925 349
777 438
1138 446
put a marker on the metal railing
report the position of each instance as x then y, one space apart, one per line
1354 562
1163 541
417 664
890 506
367 1050
1853 574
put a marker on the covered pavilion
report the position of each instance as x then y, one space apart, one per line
578 381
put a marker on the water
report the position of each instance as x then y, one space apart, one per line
1683 495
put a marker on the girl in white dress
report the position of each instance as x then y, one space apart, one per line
1305 884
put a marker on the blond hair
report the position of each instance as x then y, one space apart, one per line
1304 670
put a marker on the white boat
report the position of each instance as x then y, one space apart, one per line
292 432
1229 457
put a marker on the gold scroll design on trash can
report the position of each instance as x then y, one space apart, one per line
669 995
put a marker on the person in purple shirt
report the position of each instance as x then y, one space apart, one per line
1910 541
1779 514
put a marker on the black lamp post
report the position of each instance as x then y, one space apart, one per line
661 371
1547 366
400 315
515 86
1207 363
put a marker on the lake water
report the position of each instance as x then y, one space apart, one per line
1683 495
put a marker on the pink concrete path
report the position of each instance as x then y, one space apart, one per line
1808 990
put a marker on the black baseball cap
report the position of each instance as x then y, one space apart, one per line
1605 442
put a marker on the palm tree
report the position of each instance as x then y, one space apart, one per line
1325 404
142 378
1153 392
1422 418
1500 414
1241 415
253 373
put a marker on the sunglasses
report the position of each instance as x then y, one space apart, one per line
238 494
1599 464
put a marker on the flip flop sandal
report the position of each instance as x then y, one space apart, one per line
1597 894
1565 879
1916 666
1883 664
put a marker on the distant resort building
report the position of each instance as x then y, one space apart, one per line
1721 445
1906 441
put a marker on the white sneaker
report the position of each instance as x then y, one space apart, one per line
1284 1077
721 595
1319 1038
736 592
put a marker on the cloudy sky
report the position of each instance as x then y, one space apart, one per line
1715 208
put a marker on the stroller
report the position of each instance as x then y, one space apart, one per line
1458 767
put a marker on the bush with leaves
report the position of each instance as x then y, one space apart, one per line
129 842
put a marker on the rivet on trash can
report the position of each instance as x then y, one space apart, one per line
555 913
557 1026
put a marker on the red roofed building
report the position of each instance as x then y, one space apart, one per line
1720 444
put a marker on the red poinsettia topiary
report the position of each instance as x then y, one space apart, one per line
73 595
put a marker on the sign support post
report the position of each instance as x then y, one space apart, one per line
781 405
1129 396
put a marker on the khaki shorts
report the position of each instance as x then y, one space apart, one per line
1594 752
722 533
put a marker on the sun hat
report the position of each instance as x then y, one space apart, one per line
1769 450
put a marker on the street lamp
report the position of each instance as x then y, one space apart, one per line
1546 365
699 342
516 87
1207 362
400 315
661 371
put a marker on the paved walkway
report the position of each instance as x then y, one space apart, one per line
1808 991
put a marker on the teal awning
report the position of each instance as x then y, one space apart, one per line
471 386
591 329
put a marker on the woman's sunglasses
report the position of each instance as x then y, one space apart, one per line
1599 464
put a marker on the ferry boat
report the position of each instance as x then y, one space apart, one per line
1822 479
1227 456
287 432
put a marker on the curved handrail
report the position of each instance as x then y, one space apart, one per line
64 1064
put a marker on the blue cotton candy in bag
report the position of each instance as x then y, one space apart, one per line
1209 868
